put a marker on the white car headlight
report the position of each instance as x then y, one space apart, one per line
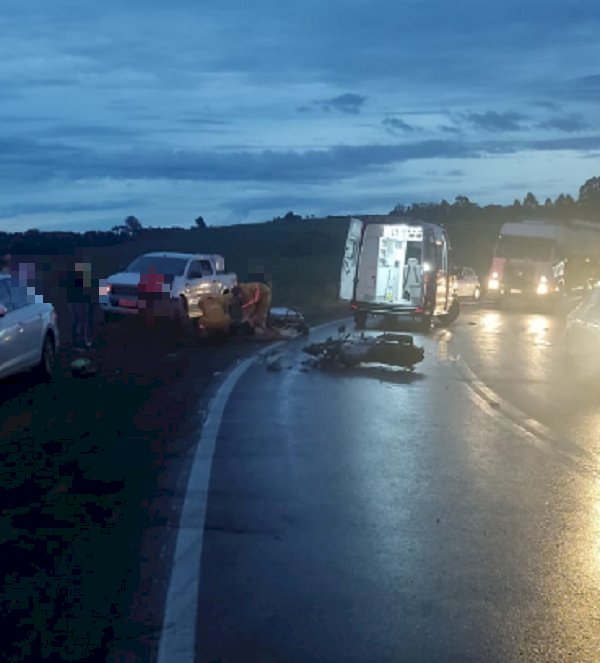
542 289
493 283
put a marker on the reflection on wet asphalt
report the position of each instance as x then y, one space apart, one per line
368 516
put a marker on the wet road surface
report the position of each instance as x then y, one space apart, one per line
451 514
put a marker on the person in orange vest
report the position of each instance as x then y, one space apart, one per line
215 312
255 300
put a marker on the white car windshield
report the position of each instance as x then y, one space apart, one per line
158 264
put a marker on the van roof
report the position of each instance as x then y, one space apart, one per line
391 219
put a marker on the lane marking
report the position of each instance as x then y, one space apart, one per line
530 428
178 635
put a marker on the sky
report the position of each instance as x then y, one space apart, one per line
241 111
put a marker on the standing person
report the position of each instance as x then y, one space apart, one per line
6 264
255 300
80 296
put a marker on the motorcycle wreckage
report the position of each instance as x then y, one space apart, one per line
348 351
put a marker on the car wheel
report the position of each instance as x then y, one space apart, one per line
45 369
477 294
360 319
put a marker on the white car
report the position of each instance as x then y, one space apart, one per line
467 284
582 335
28 331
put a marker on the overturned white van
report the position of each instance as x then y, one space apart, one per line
398 267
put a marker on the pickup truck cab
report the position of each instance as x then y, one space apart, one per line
178 281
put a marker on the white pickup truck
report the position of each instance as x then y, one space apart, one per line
180 278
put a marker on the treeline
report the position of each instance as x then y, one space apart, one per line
560 210
472 227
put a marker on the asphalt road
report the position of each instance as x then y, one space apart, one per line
451 514
91 480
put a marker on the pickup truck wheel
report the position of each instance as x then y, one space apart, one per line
45 369
182 315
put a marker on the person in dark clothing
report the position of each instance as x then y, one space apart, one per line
80 296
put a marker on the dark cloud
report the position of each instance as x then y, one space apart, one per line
566 124
21 209
345 103
397 125
497 122
548 105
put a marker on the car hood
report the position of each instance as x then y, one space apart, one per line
124 278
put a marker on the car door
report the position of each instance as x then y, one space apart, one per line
13 348
30 320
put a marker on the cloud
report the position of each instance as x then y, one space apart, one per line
566 124
345 103
395 125
27 209
496 122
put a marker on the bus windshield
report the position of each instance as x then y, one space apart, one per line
525 248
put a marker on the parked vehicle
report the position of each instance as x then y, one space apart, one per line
397 267
165 283
28 331
467 284
582 335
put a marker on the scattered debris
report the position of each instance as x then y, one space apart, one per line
82 368
286 320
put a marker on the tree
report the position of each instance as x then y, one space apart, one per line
563 201
133 224
589 192
530 201
200 223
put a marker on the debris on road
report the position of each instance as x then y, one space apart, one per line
288 321
82 368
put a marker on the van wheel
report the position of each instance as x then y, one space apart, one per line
425 323
45 369
477 294
360 319
453 311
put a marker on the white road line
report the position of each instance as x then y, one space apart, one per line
178 636
530 428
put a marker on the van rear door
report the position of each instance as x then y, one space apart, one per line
350 261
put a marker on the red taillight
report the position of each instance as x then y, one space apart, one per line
353 306
419 310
